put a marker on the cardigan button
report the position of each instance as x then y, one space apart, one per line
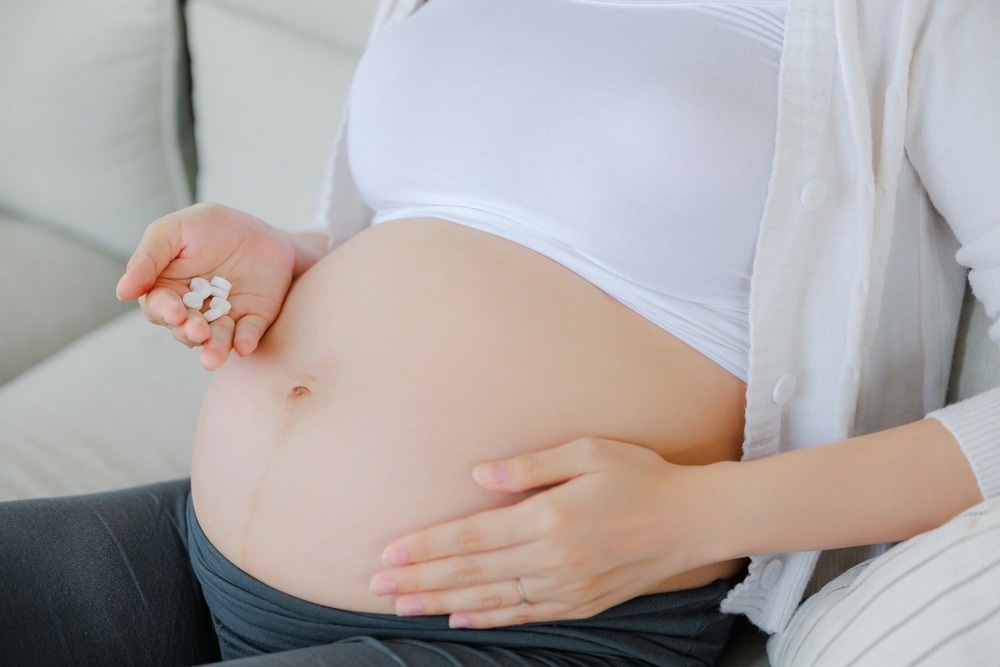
814 194
784 389
770 575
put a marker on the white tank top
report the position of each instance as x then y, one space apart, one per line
629 140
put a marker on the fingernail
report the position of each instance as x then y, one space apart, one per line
456 621
409 607
490 473
383 586
392 557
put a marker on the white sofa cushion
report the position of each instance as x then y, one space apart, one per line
930 601
116 408
269 95
344 23
54 291
94 123
976 367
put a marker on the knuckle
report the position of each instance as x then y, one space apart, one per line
466 571
529 467
545 520
490 599
575 559
550 517
180 337
581 589
521 618
552 561
469 538
589 447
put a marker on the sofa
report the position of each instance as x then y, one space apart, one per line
115 112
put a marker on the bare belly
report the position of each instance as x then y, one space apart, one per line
411 353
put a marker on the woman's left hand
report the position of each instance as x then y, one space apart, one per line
615 522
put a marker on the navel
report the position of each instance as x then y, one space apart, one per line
298 393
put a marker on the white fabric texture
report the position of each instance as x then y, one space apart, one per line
931 600
557 151
884 107
97 93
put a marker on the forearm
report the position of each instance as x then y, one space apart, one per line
882 487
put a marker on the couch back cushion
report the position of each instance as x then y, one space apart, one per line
976 366
95 125
270 83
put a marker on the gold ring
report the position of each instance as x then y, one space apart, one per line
520 591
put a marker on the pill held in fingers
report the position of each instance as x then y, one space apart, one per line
219 281
193 300
213 314
219 303
217 290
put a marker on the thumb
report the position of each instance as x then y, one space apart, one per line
536 469
159 245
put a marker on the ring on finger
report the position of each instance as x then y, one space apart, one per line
520 592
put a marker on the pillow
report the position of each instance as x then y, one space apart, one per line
930 600
95 127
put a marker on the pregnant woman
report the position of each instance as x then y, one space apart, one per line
580 257
573 282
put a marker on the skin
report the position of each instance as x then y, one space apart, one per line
862 490
210 239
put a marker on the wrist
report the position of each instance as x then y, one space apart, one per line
308 247
732 510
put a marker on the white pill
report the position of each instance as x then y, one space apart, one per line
192 300
213 314
204 291
219 303
219 292
198 282
219 281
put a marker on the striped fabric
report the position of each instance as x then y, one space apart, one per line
932 600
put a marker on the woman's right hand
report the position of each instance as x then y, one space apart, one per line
209 240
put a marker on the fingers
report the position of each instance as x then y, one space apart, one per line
249 330
536 612
510 615
215 350
163 306
539 469
502 596
486 531
160 244
454 573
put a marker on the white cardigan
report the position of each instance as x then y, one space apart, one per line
885 107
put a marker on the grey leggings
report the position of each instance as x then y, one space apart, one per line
107 579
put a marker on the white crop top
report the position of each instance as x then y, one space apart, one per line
630 141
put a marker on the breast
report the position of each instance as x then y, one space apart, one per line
406 356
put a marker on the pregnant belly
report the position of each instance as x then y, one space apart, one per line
411 353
